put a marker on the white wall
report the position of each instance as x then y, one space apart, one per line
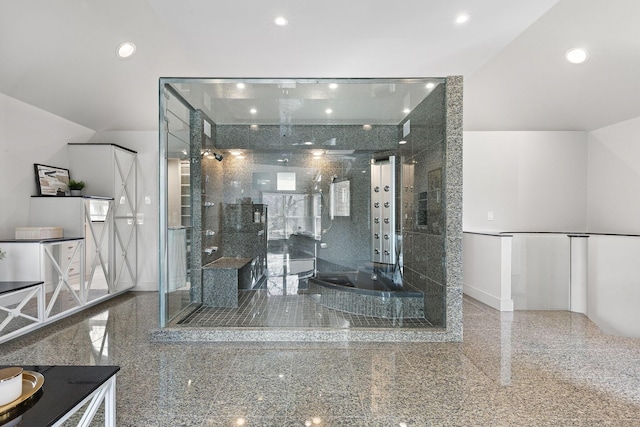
531 181
145 143
487 269
564 181
614 179
540 272
614 284
29 135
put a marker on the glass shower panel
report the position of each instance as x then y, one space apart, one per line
289 201
179 207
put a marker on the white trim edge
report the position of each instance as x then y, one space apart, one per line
490 300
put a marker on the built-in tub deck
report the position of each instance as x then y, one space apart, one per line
360 293
221 280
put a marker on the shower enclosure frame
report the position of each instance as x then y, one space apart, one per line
452 199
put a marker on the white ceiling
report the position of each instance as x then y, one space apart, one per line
59 55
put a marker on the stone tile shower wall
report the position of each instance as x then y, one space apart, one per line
422 200
453 207
347 238
196 141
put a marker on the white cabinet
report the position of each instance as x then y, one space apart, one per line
57 263
83 217
109 170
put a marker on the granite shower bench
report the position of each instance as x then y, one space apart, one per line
223 278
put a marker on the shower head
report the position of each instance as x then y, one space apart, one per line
209 154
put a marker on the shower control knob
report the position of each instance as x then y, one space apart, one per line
376 205
386 220
376 220
377 251
376 189
376 236
386 188
386 252
386 204
386 237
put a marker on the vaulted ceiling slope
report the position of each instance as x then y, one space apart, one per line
60 55
530 86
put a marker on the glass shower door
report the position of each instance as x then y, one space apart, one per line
176 228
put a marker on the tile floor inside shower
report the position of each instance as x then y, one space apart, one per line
282 301
259 309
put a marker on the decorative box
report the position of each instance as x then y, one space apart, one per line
39 233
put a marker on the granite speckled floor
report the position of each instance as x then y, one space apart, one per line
513 369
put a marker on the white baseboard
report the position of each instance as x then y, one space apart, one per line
486 298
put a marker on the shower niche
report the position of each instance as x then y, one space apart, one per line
345 210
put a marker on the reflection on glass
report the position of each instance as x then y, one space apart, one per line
99 337
298 204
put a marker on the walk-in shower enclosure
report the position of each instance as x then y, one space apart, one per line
336 193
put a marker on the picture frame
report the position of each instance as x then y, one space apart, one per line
51 180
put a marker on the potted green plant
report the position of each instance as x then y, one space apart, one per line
76 187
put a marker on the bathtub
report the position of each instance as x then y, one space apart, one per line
363 294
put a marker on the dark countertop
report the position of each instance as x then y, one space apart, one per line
14 286
60 239
64 387
83 197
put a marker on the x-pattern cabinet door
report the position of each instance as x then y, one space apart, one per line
110 170
125 219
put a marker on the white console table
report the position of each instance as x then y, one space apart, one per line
53 270
22 304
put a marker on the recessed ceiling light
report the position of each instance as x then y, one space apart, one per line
240 85
366 127
280 21
333 85
235 153
253 127
308 143
253 111
461 19
402 142
328 111
576 55
126 49
430 85
406 111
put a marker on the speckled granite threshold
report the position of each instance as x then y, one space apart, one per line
187 334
